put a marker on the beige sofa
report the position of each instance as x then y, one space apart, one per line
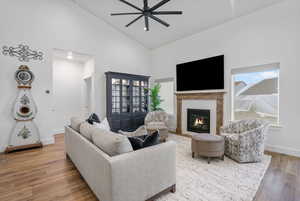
134 176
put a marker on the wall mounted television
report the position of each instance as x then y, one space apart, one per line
205 74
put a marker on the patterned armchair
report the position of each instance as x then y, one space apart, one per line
244 140
157 120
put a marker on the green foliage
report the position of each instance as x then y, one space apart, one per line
155 98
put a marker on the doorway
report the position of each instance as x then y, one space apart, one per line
73 75
87 92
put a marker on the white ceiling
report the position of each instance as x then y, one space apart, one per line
198 15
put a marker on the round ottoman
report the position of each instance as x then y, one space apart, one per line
207 145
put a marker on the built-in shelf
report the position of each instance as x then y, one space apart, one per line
201 91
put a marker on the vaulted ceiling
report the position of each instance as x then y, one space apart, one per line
198 15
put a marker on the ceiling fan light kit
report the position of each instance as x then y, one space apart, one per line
148 12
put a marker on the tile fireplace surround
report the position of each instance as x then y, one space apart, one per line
218 96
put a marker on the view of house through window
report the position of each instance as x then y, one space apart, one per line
167 94
256 94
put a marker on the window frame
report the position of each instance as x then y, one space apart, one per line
253 69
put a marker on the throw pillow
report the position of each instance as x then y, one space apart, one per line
76 122
136 143
103 125
144 141
93 118
151 140
111 143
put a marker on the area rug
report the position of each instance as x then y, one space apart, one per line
218 181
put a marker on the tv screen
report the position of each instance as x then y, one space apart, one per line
205 74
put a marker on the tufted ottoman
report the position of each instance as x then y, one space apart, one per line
207 145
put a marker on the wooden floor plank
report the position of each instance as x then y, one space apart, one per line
45 175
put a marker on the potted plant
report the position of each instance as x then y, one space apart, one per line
155 98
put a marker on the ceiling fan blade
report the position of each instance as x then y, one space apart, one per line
146 23
115 14
136 19
130 4
159 20
163 2
145 4
167 13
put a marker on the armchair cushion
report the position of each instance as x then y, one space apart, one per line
156 125
156 116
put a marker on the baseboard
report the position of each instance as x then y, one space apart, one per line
48 141
58 131
283 150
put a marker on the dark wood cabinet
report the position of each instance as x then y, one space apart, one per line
127 98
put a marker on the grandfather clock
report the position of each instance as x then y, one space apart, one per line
25 133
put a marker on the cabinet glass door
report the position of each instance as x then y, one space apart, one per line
136 97
116 95
126 96
144 96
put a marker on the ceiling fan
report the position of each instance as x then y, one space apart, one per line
148 12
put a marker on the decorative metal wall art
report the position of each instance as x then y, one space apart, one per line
25 133
23 53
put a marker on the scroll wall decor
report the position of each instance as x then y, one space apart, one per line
23 53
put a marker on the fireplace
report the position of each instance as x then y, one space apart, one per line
198 120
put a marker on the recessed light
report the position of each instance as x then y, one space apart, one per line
70 55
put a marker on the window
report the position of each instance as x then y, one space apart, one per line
167 94
255 93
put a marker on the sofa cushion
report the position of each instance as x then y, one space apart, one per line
76 122
111 143
86 130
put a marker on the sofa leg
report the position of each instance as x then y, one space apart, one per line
173 189
67 157
193 155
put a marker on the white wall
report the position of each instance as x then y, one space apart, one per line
45 25
268 36
67 92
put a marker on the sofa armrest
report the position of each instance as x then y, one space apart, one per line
144 173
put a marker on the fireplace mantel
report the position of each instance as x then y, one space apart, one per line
203 95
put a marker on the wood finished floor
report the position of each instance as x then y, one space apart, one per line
46 175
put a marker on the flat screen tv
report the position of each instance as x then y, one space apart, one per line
205 74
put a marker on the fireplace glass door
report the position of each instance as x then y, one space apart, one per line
198 121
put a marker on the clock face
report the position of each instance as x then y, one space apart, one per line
24 77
